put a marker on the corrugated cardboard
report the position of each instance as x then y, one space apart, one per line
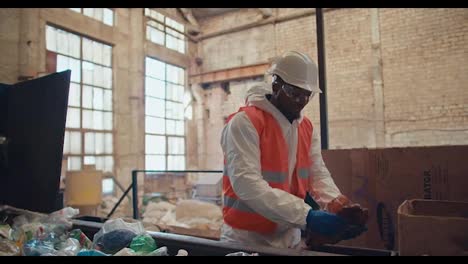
381 179
429 227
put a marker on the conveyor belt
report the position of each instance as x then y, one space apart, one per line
206 247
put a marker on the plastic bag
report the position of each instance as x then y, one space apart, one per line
240 253
85 242
162 251
116 234
69 247
91 253
143 244
35 247
126 252
182 252
5 231
8 248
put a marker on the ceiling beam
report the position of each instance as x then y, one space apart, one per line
193 28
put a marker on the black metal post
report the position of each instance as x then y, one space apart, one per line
135 194
322 78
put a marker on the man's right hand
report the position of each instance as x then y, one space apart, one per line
325 223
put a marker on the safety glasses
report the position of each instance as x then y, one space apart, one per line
293 93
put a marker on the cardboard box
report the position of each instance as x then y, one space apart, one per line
381 179
428 227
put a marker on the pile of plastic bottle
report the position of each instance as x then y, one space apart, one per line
52 235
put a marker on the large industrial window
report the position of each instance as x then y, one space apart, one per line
164 116
89 129
105 15
164 31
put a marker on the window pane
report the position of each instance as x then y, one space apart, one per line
98 78
107 77
88 11
74 45
171 42
155 162
180 128
87 96
170 127
176 145
51 38
88 119
62 63
176 162
98 14
100 163
62 42
155 88
98 99
74 163
73 118
108 120
89 160
175 92
174 110
99 143
75 142
171 73
75 68
155 68
109 163
98 120
89 143
154 125
108 16
74 95
108 145
87 49
154 107
156 36
88 72
107 186
66 143
108 100
155 144
97 52
106 55
181 46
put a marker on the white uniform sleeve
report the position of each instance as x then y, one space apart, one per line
321 184
240 143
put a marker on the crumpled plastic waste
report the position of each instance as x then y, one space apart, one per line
5 231
84 241
162 251
143 244
182 252
126 252
69 247
241 254
36 247
112 242
116 234
91 253
8 248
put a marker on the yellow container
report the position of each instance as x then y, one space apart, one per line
83 188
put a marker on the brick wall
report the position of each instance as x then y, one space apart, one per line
424 61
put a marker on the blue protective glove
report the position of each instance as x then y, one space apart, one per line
353 231
325 223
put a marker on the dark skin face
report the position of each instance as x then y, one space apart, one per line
289 106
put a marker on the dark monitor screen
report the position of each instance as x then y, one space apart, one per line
32 119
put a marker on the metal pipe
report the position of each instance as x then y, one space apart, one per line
322 78
135 194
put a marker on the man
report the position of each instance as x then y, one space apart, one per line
273 159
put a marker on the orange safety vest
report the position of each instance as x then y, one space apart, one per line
274 168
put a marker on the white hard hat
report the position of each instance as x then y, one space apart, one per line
298 69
